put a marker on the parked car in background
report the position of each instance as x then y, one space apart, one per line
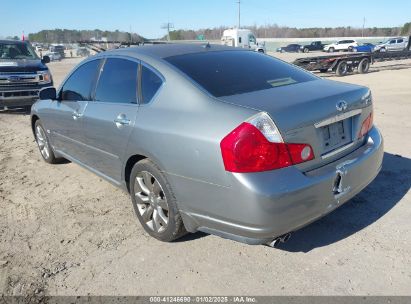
243 38
313 46
82 52
54 56
341 45
22 74
201 146
392 44
57 49
291 48
365 47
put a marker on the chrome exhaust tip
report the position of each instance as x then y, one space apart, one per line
281 239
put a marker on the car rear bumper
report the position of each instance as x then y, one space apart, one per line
261 206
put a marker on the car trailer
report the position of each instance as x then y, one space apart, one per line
340 64
346 63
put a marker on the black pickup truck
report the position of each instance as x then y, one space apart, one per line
314 46
22 74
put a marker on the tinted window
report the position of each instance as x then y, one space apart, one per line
400 41
118 81
79 85
236 72
150 83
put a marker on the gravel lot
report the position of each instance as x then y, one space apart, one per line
64 231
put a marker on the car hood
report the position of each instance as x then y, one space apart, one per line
21 65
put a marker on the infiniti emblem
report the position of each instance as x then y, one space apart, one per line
341 105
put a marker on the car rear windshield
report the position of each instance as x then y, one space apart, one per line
226 73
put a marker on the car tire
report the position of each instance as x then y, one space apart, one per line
323 70
306 50
342 68
261 51
331 50
154 202
43 143
364 66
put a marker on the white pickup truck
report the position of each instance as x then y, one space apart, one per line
242 38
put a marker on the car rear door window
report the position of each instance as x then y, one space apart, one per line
224 73
150 83
118 81
79 85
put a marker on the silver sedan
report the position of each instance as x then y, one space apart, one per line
212 138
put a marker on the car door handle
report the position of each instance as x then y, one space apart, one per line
121 120
76 115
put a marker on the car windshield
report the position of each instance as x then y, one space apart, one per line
16 50
228 73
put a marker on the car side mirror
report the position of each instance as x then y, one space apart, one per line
45 59
48 93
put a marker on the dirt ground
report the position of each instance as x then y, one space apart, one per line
64 231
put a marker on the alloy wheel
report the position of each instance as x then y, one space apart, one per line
42 142
151 201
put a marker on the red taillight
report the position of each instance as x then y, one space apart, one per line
366 125
300 153
246 149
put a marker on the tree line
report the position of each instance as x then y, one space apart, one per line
70 36
276 31
266 31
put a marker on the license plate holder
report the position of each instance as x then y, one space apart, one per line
336 135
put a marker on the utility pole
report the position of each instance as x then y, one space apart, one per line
363 26
168 26
239 13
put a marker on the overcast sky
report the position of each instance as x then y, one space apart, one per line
145 17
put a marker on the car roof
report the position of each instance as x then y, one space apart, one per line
161 51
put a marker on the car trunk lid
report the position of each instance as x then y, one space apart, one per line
323 113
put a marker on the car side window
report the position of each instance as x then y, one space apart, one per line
400 41
79 85
118 81
150 83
